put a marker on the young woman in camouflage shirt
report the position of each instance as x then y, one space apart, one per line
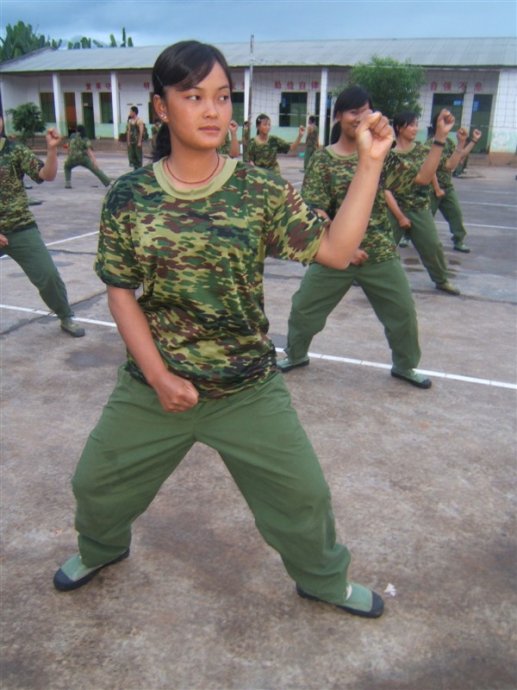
20 237
192 231
263 149
375 266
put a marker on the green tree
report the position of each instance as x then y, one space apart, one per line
27 120
85 42
393 86
21 39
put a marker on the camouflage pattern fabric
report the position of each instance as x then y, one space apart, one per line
224 149
325 185
16 160
444 176
199 258
265 155
311 144
400 171
78 149
134 131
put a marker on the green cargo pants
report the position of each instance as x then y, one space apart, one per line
135 155
449 207
136 445
424 235
387 289
85 162
27 248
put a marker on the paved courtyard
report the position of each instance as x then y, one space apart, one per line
423 486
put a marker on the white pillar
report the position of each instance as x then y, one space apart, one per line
58 103
323 103
247 85
115 104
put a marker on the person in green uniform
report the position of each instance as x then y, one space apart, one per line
80 152
443 196
192 232
375 267
19 235
245 140
311 141
263 149
134 138
409 171
230 145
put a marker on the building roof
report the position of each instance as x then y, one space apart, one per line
427 52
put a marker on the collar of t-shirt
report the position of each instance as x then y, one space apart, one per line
200 192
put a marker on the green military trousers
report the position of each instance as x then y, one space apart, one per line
387 289
85 162
135 155
136 445
449 207
424 235
27 248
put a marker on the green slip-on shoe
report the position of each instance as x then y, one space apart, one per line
287 364
411 376
359 601
74 574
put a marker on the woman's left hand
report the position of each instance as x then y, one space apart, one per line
53 138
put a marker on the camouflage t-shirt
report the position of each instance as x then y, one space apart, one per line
199 258
400 170
444 176
264 155
325 185
16 160
311 141
78 148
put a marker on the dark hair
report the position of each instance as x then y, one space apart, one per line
349 99
261 118
134 109
312 119
81 131
183 65
401 120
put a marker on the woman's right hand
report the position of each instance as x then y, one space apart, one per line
404 223
444 124
175 393
3 240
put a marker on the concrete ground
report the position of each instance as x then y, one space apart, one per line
423 486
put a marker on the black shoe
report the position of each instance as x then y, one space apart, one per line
78 574
286 364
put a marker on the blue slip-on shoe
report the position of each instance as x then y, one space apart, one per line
359 601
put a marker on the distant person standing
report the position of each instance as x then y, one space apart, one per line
245 140
19 235
443 196
134 138
80 152
264 148
311 142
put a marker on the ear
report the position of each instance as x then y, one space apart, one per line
160 108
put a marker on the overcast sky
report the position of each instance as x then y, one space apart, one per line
161 22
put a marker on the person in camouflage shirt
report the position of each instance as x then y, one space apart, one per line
375 267
409 171
443 195
19 235
80 152
134 138
311 141
263 149
192 232
230 145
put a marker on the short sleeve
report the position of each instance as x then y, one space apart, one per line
282 146
28 163
116 263
294 230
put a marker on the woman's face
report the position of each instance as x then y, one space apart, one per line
350 119
264 126
199 117
409 131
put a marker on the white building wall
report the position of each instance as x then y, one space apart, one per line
504 114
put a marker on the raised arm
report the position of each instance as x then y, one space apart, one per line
294 146
49 170
234 141
338 246
444 124
175 393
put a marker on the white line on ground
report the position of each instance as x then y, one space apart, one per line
313 355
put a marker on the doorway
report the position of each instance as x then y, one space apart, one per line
88 119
